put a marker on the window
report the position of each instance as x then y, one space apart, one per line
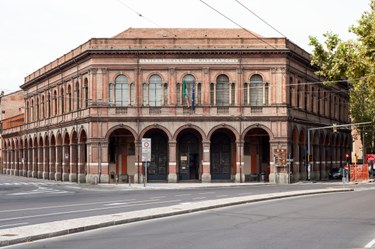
110 93
291 92
121 91
188 89
55 103
222 90
145 94
245 93
78 99
86 94
266 93
165 94
62 101
233 94
27 112
43 106
178 89
49 105
32 110
69 99
37 110
256 90
212 94
199 94
132 94
155 90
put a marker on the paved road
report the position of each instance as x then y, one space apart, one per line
25 201
339 220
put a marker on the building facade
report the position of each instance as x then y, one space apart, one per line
218 105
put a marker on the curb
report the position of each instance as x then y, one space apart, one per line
59 228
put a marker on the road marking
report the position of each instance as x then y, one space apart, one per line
81 211
42 190
243 193
204 193
15 224
183 195
157 197
60 206
198 198
370 244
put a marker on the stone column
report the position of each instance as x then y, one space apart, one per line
73 169
46 164
52 162
35 161
65 162
138 176
40 163
206 90
206 166
172 168
30 162
278 168
240 174
104 177
58 162
17 162
81 163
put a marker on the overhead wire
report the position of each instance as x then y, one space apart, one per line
237 24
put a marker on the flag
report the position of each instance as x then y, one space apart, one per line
185 96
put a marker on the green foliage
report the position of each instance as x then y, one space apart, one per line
353 60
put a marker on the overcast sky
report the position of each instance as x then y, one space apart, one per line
36 32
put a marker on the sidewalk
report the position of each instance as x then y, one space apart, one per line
29 233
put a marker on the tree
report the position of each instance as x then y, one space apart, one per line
354 61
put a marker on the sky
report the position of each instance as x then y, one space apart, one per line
34 33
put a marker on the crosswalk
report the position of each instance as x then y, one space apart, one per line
35 188
23 184
41 190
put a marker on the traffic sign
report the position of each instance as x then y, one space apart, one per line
146 149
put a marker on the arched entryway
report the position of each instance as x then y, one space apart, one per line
121 153
257 154
157 169
189 155
222 155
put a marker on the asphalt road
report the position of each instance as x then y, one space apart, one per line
340 220
26 201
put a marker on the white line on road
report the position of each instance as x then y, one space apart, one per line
82 211
198 198
61 206
183 195
370 244
243 193
157 197
15 224
205 193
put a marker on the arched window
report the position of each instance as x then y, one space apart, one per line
27 112
178 97
69 99
49 104
266 93
188 90
62 101
155 90
78 99
222 90
55 103
32 111
212 93
121 91
37 110
245 93
86 93
132 94
199 94
165 94
233 94
42 107
256 90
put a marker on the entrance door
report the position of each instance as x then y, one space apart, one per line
221 157
157 169
188 157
